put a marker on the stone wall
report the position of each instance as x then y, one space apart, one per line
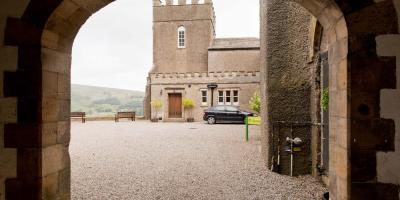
234 60
289 76
191 84
8 105
388 163
199 22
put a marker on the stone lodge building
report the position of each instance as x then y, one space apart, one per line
189 62
351 47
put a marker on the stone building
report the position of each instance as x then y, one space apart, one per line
363 43
189 62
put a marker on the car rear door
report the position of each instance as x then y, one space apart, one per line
233 114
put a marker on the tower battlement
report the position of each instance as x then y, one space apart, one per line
180 2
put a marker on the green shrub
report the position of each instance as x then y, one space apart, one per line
255 103
325 99
188 103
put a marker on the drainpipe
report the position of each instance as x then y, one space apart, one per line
212 86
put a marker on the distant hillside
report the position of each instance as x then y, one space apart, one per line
101 101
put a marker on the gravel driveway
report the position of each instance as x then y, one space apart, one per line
142 160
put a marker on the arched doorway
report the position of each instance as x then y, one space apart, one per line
45 33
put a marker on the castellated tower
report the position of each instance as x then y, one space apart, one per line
182 32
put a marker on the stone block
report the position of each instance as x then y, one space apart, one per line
8 163
338 51
50 186
13 8
49 134
55 109
373 134
22 136
49 84
55 61
341 29
339 102
63 132
8 110
18 32
387 45
50 39
8 58
67 8
363 166
64 85
54 159
93 5
64 182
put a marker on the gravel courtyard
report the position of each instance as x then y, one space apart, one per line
142 160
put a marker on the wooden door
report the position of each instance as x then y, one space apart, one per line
175 105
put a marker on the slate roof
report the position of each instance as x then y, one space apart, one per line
235 43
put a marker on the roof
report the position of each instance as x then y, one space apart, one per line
235 43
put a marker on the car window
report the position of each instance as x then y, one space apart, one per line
219 108
231 109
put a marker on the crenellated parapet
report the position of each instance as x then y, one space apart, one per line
180 2
206 77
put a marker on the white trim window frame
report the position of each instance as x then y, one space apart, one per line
228 97
204 97
221 96
235 97
181 37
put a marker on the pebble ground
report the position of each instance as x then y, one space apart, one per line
143 160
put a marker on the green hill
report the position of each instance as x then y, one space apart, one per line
101 101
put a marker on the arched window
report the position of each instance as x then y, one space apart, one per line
163 2
188 2
181 37
175 2
201 2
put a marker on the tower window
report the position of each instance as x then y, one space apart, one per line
188 2
163 2
181 37
175 2
201 2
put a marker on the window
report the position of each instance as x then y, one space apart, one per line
201 2
220 108
204 97
181 37
175 2
163 2
188 2
228 97
235 97
220 97
231 109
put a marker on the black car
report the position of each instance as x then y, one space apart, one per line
225 114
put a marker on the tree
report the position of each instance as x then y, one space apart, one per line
157 105
188 105
255 103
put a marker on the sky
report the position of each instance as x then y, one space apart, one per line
114 47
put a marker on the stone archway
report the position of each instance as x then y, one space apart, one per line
40 89
334 24
357 74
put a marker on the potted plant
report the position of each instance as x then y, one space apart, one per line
156 107
255 103
188 105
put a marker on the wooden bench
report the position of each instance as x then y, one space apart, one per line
125 115
81 115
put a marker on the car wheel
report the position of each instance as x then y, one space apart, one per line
211 120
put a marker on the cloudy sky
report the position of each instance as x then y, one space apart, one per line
114 47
